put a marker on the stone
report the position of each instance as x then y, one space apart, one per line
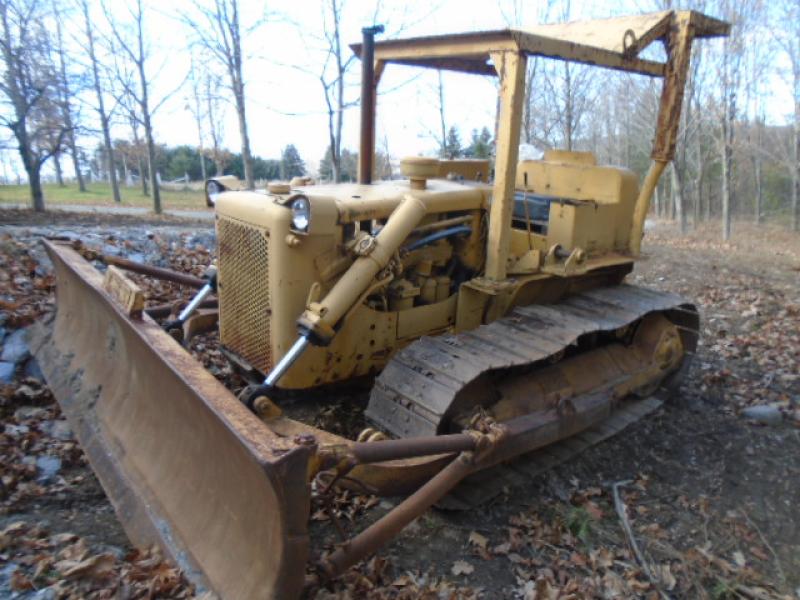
15 347
29 412
116 551
59 429
33 370
768 414
15 430
7 372
48 466
110 250
47 593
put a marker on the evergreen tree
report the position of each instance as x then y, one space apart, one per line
481 145
291 163
348 166
452 148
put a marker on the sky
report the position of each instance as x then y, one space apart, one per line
285 104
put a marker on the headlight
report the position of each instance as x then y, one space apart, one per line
213 190
301 214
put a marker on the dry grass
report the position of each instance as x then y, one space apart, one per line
99 194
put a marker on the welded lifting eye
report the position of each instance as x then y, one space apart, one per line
629 43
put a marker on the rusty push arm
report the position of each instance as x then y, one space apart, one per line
141 268
478 451
679 48
386 528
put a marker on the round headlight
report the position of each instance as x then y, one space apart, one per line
301 214
213 190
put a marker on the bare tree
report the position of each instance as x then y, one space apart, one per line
97 84
788 37
135 49
214 110
221 34
140 150
66 100
196 108
29 87
442 124
333 87
732 78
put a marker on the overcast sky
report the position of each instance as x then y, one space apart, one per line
285 103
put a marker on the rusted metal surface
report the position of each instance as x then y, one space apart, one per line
383 530
202 321
417 392
161 311
508 440
184 463
151 271
679 49
368 93
484 486
364 453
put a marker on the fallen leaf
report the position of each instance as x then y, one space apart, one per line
476 539
99 566
738 558
666 577
595 512
758 553
19 582
462 567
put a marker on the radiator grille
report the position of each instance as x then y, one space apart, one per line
244 300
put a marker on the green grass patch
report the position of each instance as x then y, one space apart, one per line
99 194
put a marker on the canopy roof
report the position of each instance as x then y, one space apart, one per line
615 43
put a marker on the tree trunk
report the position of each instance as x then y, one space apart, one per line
76 164
101 109
151 161
657 202
237 81
726 191
442 124
796 170
569 108
37 196
112 174
247 157
59 172
698 184
33 169
677 195
759 186
142 174
148 132
66 109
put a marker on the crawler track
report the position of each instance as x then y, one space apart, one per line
423 388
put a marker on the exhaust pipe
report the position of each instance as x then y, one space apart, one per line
367 149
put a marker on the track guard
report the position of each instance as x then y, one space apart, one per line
185 465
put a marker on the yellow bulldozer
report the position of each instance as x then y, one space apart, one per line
490 314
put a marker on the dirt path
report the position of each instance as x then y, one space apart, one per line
711 497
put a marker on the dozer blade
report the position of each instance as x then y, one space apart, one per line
185 465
